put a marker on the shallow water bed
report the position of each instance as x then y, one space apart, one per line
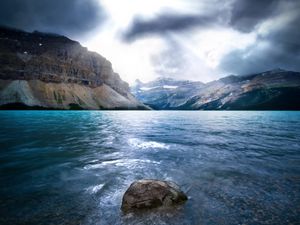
72 167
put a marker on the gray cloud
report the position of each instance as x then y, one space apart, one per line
261 60
242 15
165 23
68 17
172 61
246 14
279 48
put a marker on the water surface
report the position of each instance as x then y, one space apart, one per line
72 167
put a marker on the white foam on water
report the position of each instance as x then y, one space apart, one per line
92 166
93 161
94 189
138 143
128 163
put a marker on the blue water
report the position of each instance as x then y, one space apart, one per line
72 167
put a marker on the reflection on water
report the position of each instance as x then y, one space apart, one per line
72 167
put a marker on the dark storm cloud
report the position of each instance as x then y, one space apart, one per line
279 48
164 23
242 15
246 14
69 17
262 60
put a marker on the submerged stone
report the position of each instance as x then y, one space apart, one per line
147 194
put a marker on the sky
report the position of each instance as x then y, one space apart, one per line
182 39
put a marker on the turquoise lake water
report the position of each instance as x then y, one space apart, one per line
72 167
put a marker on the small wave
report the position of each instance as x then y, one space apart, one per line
119 162
137 143
94 189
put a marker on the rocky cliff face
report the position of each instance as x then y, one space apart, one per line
52 71
270 90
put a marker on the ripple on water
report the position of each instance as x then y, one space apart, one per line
128 163
138 143
236 167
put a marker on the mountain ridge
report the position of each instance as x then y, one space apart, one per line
269 90
164 92
53 71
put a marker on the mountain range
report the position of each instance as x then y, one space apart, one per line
271 90
50 71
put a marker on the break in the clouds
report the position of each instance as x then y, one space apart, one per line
183 39
69 17
271 27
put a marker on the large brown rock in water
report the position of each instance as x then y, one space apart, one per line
147 194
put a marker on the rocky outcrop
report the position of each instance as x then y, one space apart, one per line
52 71
271 90
147 194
